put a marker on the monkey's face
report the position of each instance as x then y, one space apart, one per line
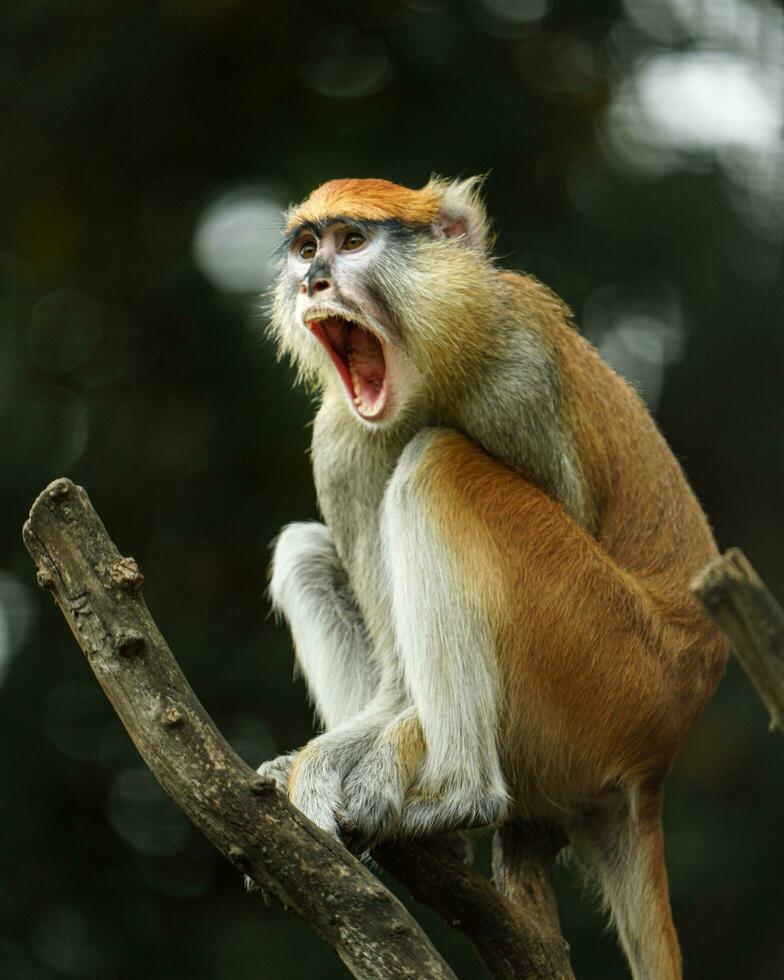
335 290
386 295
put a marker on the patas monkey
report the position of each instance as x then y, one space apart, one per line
494 620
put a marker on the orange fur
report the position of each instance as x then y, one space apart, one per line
600 639
603 673
369 199
409 744
588 654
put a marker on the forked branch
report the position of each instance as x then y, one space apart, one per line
244 816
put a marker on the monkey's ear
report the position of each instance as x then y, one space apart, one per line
462 214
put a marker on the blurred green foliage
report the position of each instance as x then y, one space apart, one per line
636 165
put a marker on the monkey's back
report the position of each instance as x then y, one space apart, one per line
639 505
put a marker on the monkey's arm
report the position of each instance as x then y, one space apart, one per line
433 721
308 587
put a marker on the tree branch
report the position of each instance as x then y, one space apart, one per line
243 815
740 604
516 933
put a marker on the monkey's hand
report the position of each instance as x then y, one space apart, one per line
374 790
392 791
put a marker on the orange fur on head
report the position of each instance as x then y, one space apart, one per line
371 200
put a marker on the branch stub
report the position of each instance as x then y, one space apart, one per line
125 574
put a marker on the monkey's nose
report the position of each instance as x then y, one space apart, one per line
317 285
318 278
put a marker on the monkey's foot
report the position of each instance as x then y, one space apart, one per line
316 780
373 794
425 814
315 789
278 769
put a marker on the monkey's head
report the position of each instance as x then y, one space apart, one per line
384 293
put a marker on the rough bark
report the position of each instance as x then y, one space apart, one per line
515 930
244 816
738 601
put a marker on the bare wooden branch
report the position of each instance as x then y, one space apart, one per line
740 604
516 933
244 816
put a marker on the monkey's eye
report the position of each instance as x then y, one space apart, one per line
307 249
353 241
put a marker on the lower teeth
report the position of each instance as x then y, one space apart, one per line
377 384
354 376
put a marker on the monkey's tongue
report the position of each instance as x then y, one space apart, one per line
367 369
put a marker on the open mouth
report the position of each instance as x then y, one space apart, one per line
359 358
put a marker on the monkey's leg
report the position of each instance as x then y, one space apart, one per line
310 589
450 665
624 850
519 636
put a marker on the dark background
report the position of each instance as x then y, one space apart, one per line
636 165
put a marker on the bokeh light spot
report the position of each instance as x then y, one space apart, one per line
235 241
517 11
639 331
143 816
347 64
720 102
64 329
61 938
16 618
76 713
639 348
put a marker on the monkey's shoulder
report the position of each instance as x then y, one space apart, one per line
540 304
